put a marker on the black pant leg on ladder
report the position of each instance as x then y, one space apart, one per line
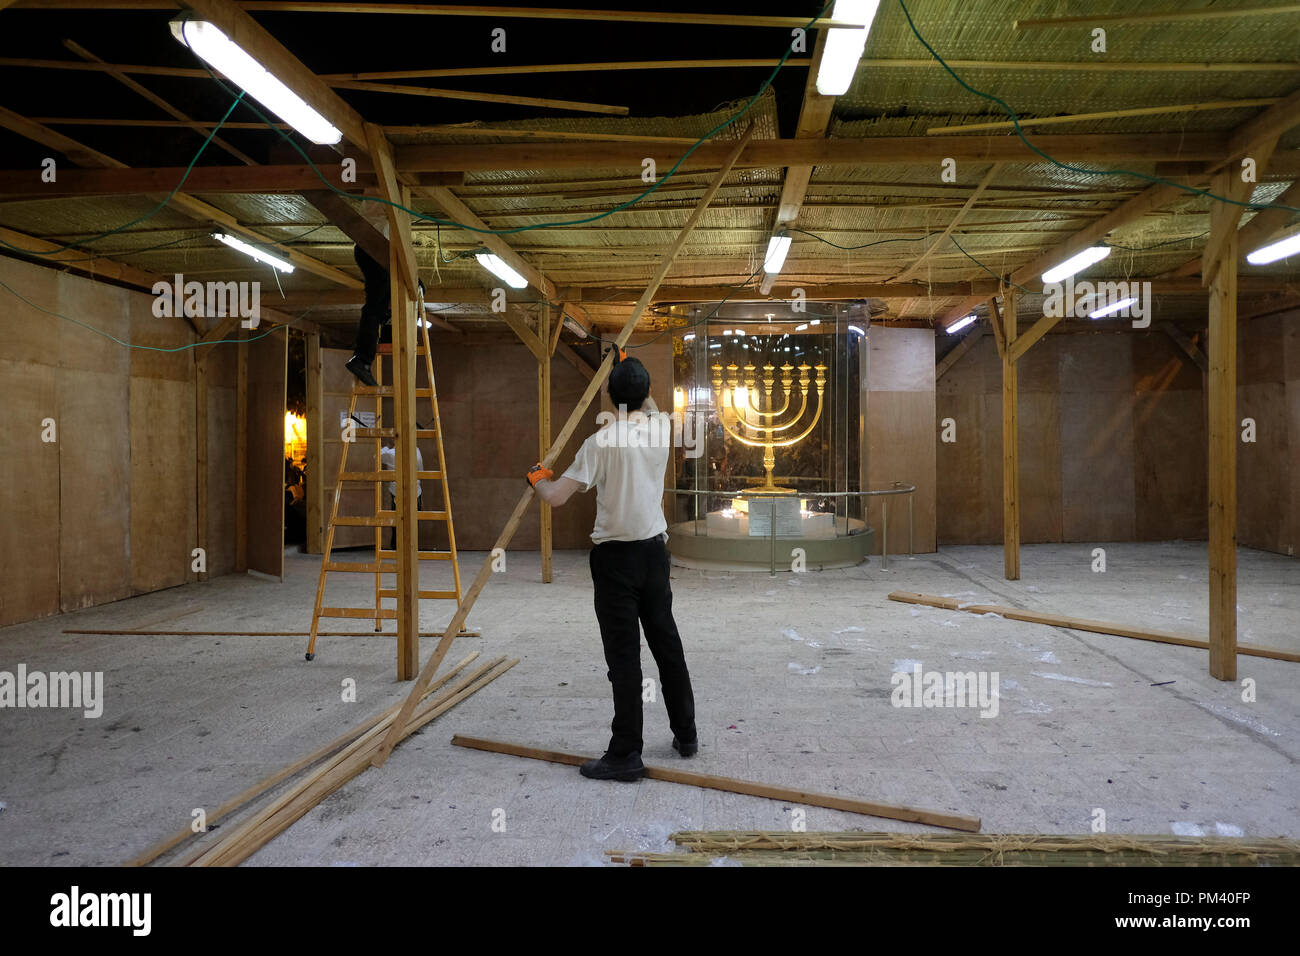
377 308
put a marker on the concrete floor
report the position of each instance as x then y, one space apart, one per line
792 678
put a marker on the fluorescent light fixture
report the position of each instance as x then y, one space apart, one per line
688 337
777 249
1076 264
769 280
574 326
1115 307
958 326
726 331
227 57
498 267
740 331
814 321
716 345
1274 251
844 46
239 244
854 328
800 328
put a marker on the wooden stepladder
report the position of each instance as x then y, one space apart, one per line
386 560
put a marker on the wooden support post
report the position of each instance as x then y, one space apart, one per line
1222 395
408 564
1010 445
241 458
201 453
995 323
544 430
315 447
516 516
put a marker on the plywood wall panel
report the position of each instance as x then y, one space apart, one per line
1041 509
1169 462
94 485
960 471
222 463
1097 465
901 431
29 474
162 482
267 369
1263 486
30 334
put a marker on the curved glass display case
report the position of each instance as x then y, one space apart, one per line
771 471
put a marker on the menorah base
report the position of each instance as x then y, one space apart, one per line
693 546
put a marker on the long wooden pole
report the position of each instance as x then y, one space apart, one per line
508 532
284 773
407 504
1010 444
952 821
1222 396
544 432
1084 624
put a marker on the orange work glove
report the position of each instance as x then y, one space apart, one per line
537 473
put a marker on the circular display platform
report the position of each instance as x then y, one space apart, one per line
721 542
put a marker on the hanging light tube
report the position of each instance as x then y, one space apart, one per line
844 46
1076 264
499 268
225 56
250 250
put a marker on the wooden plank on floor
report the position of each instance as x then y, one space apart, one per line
952 821
1084 624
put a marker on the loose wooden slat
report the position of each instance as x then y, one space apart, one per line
1084 624
242 845
236 802
952 821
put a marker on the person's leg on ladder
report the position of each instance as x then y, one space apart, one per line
376 311
656 612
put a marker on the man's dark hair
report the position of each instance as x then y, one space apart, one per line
629 384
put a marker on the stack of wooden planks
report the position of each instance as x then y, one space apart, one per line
757 848
323 771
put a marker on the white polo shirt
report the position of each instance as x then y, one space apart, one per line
625 462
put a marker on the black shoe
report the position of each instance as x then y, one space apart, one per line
688 749
627 768
361 370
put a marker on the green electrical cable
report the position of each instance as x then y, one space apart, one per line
149 215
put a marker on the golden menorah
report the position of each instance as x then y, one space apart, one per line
759 428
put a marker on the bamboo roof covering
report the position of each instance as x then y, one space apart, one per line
1183 88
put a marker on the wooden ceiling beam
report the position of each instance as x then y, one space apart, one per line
1259 132
190 205
451 10
159 102
877 151
814 118
247 180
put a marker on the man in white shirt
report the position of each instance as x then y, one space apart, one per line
388 462
625 463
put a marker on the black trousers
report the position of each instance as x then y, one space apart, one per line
377 310
631 585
